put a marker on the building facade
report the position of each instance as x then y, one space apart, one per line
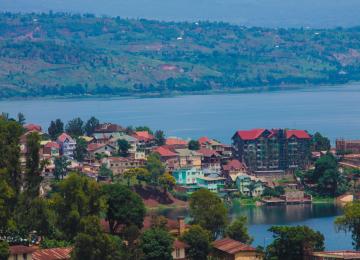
275 150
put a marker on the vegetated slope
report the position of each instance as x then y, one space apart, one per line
63 54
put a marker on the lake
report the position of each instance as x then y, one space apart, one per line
333 111
320 217
266 13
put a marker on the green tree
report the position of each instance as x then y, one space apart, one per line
61 167
350 221
80 151
326 175
10 133
155 168
33 170
156 244
35 214
56 128
124 207
167 181
75 127
194 145
76 197
198 240
4 250
124 147
92 244
293 242
237 230
105 172
320 143
91 125
160 137
208 211
7 196
21 118
144 128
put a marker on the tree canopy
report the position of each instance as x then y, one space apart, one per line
350 221
208 211
198 239
237 230
293 242
156 244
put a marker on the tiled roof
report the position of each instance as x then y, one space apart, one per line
94 146
231 246
33 127
63 137
187 152
164 152
342 254
20 249
203 139
250 134
176 141
108 128
143 135
52 145
52 254
233 165
301 134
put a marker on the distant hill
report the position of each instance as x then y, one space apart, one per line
61 54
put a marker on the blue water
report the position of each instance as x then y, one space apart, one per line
319 217
334 111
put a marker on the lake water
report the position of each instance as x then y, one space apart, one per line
268 13
319 217
334 111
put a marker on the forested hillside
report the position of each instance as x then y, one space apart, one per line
62 54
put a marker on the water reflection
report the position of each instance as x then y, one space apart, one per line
319 217
285 214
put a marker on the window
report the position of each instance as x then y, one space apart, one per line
177 252
24 256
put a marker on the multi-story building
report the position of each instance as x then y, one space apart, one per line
67 145
347 146
275 150
187 176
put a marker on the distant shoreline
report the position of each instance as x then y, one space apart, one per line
225 91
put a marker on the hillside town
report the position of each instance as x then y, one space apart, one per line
260 166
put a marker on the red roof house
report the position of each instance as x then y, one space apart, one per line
228 248
33 127
52 254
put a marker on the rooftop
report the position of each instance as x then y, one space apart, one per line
231 246
52 254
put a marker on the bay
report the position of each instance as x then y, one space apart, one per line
333 111
319 217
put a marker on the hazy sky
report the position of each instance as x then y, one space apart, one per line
272 13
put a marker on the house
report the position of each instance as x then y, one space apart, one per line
51 149
176 143
108 128
32 128
67 145
347 146
167 157
232 169
189 158
52 254
118 165
266 151
210 159
211 182
21 252
179 250
334 255
187 176
229 249
250 185
100 149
